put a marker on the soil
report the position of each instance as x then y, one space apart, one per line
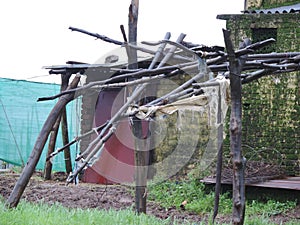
98 196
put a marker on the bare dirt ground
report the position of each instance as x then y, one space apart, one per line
103 197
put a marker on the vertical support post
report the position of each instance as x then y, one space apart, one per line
235 69
219 158
51 146
141 150
141 166
54 132
132 33
64 125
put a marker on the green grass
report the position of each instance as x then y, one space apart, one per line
42 214
172 193
168 194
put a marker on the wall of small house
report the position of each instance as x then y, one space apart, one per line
87 112
182 135
271 124
166 126
266 4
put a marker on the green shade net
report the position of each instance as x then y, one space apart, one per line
22 118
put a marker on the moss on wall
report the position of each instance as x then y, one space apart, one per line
182 135
267 4
277 3
271 111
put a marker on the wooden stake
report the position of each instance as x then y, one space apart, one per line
140 151
219 158
64 125
51 147
235 68
53 135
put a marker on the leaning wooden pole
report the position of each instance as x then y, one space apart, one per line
235 69
34 157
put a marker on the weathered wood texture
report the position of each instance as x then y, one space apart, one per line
64 125
235 69
51 147
53 135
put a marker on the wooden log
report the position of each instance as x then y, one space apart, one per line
235 68
34 157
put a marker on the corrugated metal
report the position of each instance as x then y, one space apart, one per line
283 9
116 164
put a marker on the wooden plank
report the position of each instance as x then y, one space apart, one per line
291 183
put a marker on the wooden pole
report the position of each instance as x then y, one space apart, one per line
235 69
51 147
34 157
219 158
64 125
54 132
132 33
140 143
141 165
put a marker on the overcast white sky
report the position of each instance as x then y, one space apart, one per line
35 33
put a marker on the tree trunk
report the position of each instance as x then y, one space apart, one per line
235 68
34 157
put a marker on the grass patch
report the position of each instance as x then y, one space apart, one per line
42 214
168 194
269 208
173 193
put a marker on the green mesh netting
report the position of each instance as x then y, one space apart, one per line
22 118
